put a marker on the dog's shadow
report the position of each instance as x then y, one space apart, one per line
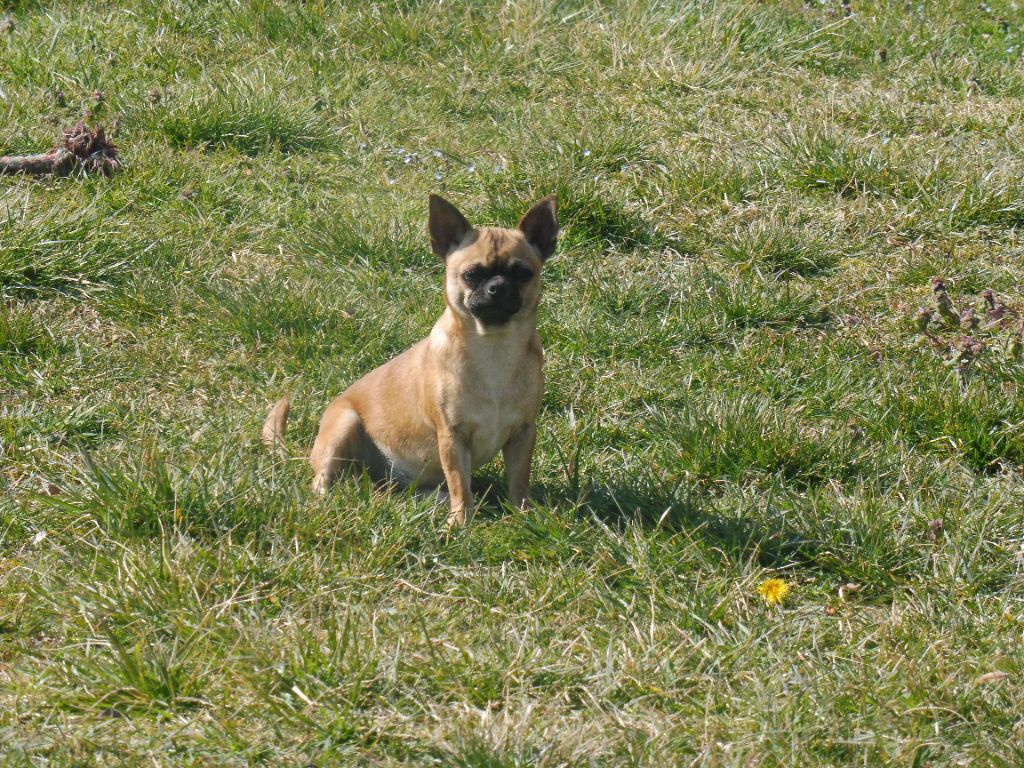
651 506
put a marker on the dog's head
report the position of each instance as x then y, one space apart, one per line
493 274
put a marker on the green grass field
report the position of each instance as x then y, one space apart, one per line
754 198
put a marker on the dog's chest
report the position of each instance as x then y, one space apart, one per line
502 398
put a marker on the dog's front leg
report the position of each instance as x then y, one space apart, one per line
518 454
456 463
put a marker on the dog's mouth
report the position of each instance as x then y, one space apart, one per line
496 311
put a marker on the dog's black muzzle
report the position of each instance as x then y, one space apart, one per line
495 301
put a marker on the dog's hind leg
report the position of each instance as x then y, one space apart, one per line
338 444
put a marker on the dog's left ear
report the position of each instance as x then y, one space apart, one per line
448 228
540 226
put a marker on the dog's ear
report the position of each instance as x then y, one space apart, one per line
447 226
540 226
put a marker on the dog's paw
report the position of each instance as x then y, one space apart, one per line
320 485
457 519
522 503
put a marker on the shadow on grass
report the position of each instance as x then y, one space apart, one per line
769 530
655 507
774 544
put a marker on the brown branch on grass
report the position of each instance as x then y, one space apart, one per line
81 148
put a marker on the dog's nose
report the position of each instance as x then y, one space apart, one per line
495 288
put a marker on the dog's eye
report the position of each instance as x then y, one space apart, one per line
473 275
521 273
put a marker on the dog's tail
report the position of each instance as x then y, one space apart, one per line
276 424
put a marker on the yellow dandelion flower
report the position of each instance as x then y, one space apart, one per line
773 591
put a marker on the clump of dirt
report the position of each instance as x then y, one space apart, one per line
81 148
92 148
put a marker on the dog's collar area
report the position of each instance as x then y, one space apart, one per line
479 327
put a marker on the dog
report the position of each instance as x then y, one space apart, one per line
449 403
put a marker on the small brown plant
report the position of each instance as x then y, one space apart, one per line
964 337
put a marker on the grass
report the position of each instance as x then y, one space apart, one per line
754 197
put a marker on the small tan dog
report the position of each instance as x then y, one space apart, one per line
448 404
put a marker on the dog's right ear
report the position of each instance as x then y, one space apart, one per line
448 227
